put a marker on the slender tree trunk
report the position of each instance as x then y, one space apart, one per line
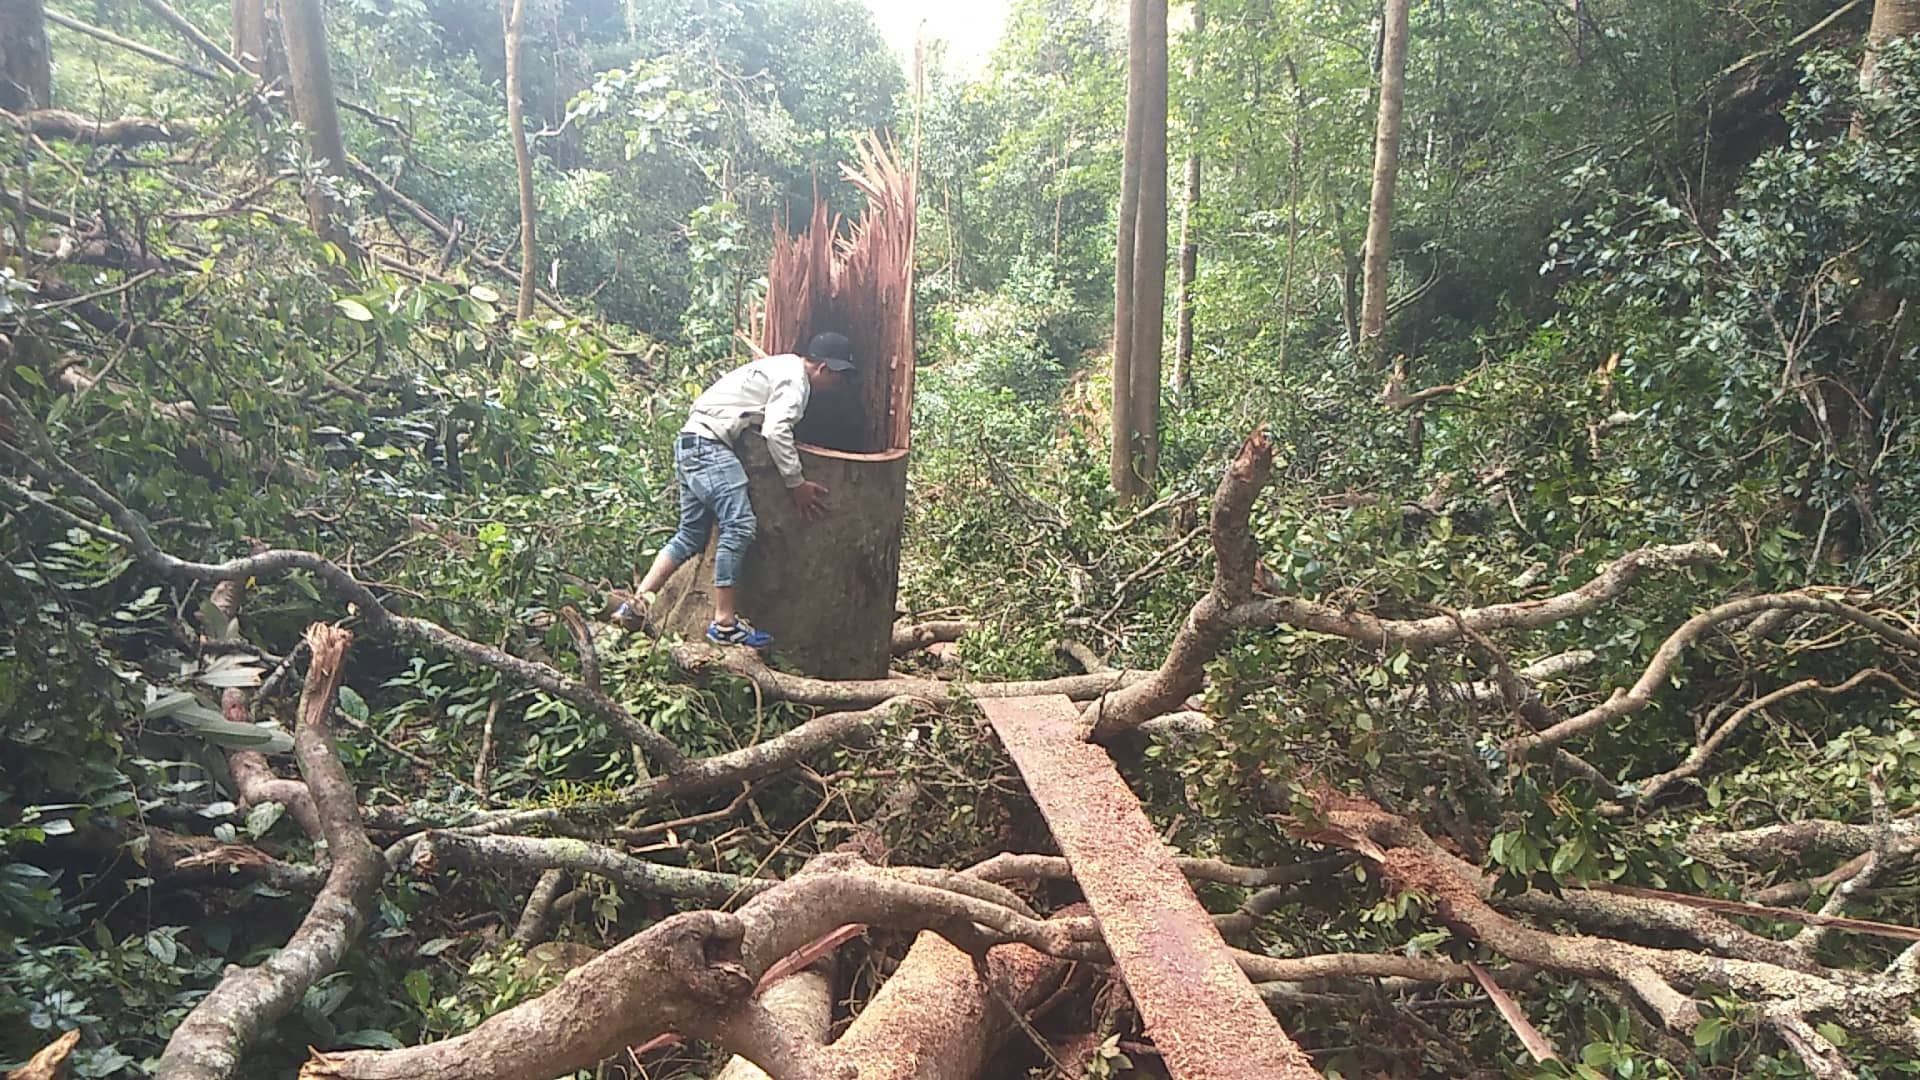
1891 19
256 40
1189 240
1150 251
522 159
26 64
1386 167
310 81
1120 464
1293 212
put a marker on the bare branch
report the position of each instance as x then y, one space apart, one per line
210 1042
73 127
1609 584
1640 694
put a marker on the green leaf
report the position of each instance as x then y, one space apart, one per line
371 1039
261 817
353 309
419 988
353 705
486 294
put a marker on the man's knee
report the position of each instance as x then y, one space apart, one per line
739 530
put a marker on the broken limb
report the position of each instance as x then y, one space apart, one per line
1649 790
1207 625
1876 1006
73 127
912 637
1609 584
210 1043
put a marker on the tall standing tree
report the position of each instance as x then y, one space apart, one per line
1891 19
1189 239
1386 170
255 43
1140 264
522 158
1120 464
310 81
26 65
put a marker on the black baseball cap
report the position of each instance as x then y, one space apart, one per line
833 350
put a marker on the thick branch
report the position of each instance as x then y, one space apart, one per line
855 693
211 1041
692 974
1236 553
73 127
912 637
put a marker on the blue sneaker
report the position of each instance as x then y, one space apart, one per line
741 632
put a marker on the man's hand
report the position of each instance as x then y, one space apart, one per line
810 497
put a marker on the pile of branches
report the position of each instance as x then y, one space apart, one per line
748 971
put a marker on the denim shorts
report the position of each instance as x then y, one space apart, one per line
713 491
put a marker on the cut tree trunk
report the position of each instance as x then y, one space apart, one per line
1386 169
26 64
823 588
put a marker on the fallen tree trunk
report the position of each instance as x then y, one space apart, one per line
210 1043
74 127
934 1019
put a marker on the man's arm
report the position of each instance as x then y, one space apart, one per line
784 408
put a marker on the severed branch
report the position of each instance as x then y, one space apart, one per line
1609 584
912 637
694 974
1875 1006
1650 789
210 1043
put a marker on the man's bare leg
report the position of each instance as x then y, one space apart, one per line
664 564
723 610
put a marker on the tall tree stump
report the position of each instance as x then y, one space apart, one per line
823 588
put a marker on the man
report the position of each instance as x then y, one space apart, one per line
772 391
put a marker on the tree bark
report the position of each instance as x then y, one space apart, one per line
825 588
1891 19
256 41
1150 247
934 1019
522 158
1189 240
1386 168
1120 464
310 79
26 63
